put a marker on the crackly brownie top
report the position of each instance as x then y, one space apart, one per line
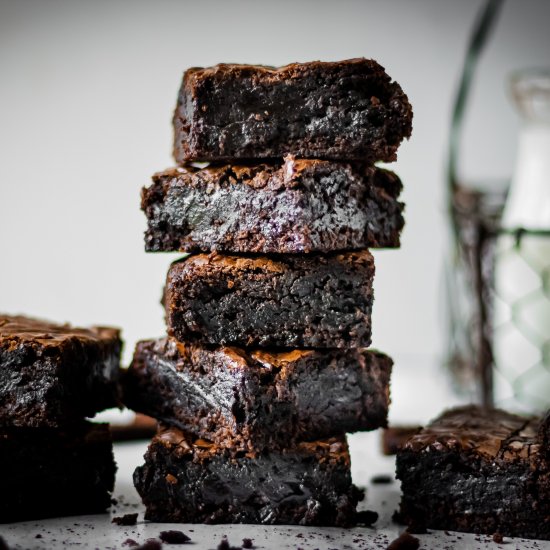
272 264
489 434
334 449
15 329
276 176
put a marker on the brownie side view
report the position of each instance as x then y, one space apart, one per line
347 110
476 470
284 302
193 481
51 375
252 400
51 472
294 207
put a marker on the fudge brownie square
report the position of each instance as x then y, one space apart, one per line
347 110
314 301
193 481
252 399
47 472
292 207
51 375
477 470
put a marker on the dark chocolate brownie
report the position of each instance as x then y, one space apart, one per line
298 206
258 399
48 472
347 110
193 481
477 470
313 301
51 375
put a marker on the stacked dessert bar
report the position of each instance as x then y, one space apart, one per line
52 461
266 367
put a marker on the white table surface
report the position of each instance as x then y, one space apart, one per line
91 532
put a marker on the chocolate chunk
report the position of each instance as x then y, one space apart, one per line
127 519
174 537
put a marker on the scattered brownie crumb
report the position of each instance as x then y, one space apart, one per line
224 544
39 536
114 501
127 519
404 542
366 517
247 543
174 537
381 479
498 538
130 542
150 544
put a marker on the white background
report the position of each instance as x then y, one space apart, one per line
87 91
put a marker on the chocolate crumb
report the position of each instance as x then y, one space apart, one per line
498 538
247 543
404 541
127 519
381 479
130 542
150 544
39 536
224 544
174 537
366 517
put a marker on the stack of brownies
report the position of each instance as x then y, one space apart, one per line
266 367
52 461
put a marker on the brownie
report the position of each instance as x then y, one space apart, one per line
314 301
295 207
193 481
47 472
394 437
51 375
253 400
477 470
347 110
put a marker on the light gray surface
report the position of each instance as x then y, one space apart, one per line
90 532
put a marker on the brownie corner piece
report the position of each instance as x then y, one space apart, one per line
52 374
193 481
477 470
286 301
289 207
258 399
347 110
52 472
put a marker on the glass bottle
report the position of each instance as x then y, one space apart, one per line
521 339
